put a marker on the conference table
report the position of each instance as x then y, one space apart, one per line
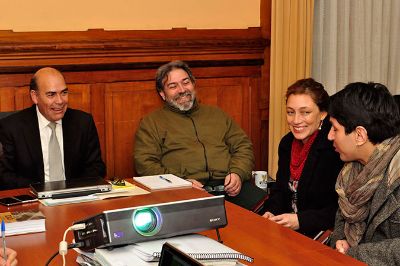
267 242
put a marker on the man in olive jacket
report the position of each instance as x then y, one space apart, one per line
197 142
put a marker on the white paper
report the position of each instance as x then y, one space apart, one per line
166 181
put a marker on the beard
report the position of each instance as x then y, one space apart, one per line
186 106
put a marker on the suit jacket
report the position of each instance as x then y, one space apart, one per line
317 199
22 162
380 243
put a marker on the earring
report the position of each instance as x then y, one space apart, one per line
320 125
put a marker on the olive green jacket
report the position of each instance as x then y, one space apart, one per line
201 143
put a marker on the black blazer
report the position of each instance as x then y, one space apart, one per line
317 199
22 161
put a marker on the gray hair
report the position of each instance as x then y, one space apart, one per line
163 71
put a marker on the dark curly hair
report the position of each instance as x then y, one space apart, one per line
164 70
369 105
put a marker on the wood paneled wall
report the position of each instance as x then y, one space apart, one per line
111 75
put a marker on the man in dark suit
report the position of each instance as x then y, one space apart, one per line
28 139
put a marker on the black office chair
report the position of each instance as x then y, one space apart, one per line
251 197
5 114
2 115
324 236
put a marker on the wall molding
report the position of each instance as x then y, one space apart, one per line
24 52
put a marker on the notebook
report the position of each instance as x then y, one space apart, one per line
207 250
70 188
165 181
171 255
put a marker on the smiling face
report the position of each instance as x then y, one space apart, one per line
303 116
179 90
51 95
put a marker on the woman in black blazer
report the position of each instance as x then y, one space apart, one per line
304 196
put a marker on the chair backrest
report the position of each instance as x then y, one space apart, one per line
5 114
324 236
2 115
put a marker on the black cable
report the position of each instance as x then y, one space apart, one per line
73 245
202 144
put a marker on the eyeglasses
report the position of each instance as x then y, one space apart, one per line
220 188
117 181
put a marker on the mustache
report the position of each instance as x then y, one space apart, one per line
183 94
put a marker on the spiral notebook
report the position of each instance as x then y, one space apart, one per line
197 246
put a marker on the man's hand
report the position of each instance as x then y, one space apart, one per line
232 184
289 220
268 215
342 246
11 257
196 184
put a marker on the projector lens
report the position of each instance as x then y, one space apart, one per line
147 222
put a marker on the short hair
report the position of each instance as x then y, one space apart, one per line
312 88
397 100
163 71
33 84
369 105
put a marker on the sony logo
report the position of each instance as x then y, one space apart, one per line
215 219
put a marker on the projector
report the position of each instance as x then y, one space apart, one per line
143 223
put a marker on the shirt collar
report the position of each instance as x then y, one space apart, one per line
43 122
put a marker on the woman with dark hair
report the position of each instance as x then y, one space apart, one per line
397 100
365 131
304 196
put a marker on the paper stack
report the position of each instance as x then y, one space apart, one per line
197 246
23 222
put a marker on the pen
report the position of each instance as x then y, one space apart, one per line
3 235
166 179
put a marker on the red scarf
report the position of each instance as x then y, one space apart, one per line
299 156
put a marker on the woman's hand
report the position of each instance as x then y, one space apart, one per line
342 246
289 220
268 215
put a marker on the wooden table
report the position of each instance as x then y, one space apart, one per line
268 243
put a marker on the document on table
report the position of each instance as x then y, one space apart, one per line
165 181
210 251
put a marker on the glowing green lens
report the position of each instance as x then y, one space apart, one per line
147 222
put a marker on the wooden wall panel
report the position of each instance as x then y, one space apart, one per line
111 75
22 98
19 98
126 104
230 95
79 97
7 99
